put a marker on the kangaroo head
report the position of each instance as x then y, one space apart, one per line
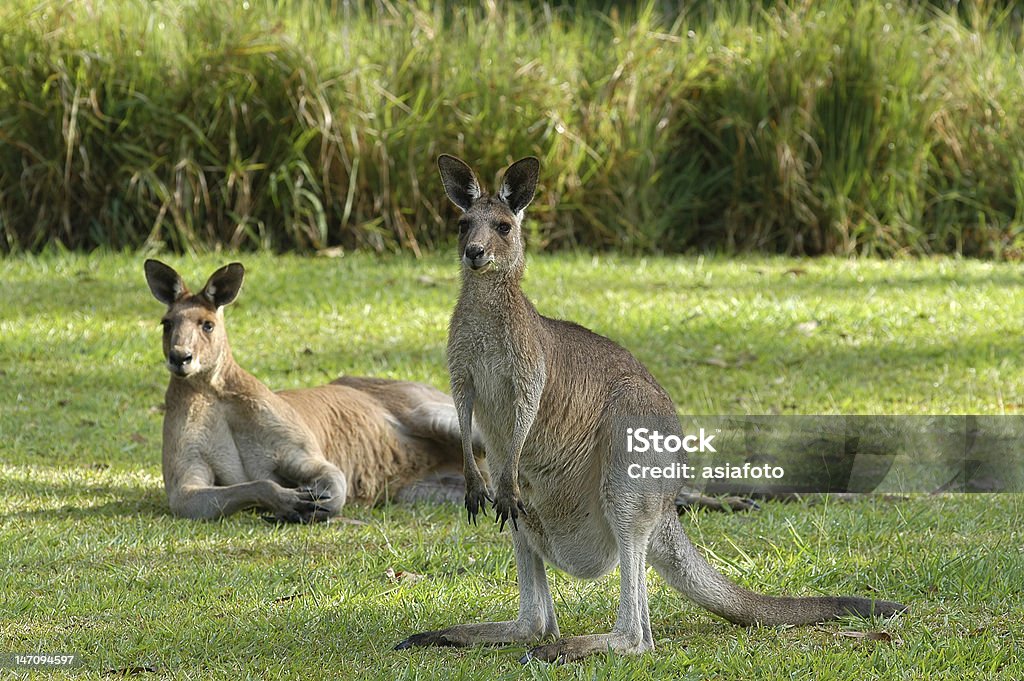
195 340
490 229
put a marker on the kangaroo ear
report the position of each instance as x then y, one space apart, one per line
520 183
164 282
459 181
224 284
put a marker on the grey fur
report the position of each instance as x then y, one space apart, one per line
544 393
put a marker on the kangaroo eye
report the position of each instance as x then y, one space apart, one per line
207 327
463 227
504 228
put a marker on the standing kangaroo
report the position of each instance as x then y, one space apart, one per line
231 443
548 396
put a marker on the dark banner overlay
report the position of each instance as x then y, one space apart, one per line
755 455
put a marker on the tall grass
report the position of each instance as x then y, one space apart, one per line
803 127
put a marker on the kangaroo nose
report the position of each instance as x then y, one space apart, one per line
179 358
474 251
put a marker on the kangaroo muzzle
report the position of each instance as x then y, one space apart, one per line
179 362
475 256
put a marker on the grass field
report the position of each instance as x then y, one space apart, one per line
95 565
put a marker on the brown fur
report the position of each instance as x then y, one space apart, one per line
229 442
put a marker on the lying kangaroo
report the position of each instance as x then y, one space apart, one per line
548 396
231 443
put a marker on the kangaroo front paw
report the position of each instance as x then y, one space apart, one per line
476 500
476 493
508 506
302 505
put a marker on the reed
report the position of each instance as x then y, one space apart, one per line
797 127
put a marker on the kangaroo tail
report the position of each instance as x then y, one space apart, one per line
678 561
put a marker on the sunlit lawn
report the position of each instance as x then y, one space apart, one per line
95 565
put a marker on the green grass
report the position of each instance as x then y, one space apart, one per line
94 564
800 127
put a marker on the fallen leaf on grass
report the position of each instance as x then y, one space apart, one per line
402 576
869 636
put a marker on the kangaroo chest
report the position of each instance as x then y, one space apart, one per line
560 471
234 451
503 367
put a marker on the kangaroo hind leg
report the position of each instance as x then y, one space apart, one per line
536 619
631 633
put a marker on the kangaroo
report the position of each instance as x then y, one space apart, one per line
548 396
230 443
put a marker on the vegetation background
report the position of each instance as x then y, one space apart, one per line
800 127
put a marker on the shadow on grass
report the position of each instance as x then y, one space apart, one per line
63 500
